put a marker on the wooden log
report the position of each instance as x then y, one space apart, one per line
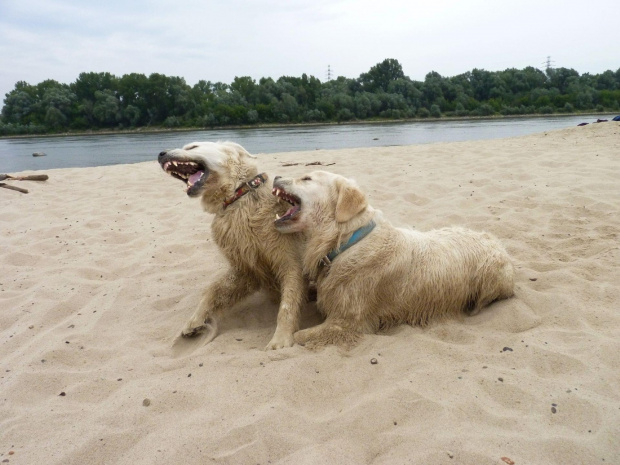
32 177
18 189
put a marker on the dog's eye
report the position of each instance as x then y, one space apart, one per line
306 178
192 147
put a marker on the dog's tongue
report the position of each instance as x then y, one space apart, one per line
194 178
292 211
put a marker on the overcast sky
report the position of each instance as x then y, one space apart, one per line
218 40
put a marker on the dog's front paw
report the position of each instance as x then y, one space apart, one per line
304 336
280 340
325 334
193 332
209 327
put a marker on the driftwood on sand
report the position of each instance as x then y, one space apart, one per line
14 188
314 163
32 177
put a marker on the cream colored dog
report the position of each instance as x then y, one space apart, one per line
225 177
371 275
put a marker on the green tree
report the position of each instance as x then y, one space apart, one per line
132 115
289 107
362 106
107 108
560 78
55 119
132 91
246 87
19 105
87 84
381 75
58 104
431 90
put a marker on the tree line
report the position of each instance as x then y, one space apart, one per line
104 101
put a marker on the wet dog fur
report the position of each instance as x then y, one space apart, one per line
259 256
391 276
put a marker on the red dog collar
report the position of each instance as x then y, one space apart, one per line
246 187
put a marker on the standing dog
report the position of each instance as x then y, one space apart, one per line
225 177
371 275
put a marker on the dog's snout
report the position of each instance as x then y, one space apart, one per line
276 178
161 155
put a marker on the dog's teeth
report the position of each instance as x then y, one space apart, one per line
278 216
175 163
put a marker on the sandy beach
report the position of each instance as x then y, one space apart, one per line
102 266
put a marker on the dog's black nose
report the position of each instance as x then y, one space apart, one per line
276 178
161 155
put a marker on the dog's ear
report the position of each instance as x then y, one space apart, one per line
351 201
240 150
245 152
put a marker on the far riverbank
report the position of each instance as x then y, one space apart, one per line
159 129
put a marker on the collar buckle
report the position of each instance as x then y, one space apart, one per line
325 261
254 183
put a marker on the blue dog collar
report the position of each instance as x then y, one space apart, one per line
357 236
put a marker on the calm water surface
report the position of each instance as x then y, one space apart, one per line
99 150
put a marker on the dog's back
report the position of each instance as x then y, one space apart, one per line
400 276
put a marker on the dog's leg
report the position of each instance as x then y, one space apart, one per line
219 296
293 289
497 285
331 331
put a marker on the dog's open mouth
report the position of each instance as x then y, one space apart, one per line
291 213
193 173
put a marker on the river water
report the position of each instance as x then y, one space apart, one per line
100 150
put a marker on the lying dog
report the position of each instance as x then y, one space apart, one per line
225 177
371 275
